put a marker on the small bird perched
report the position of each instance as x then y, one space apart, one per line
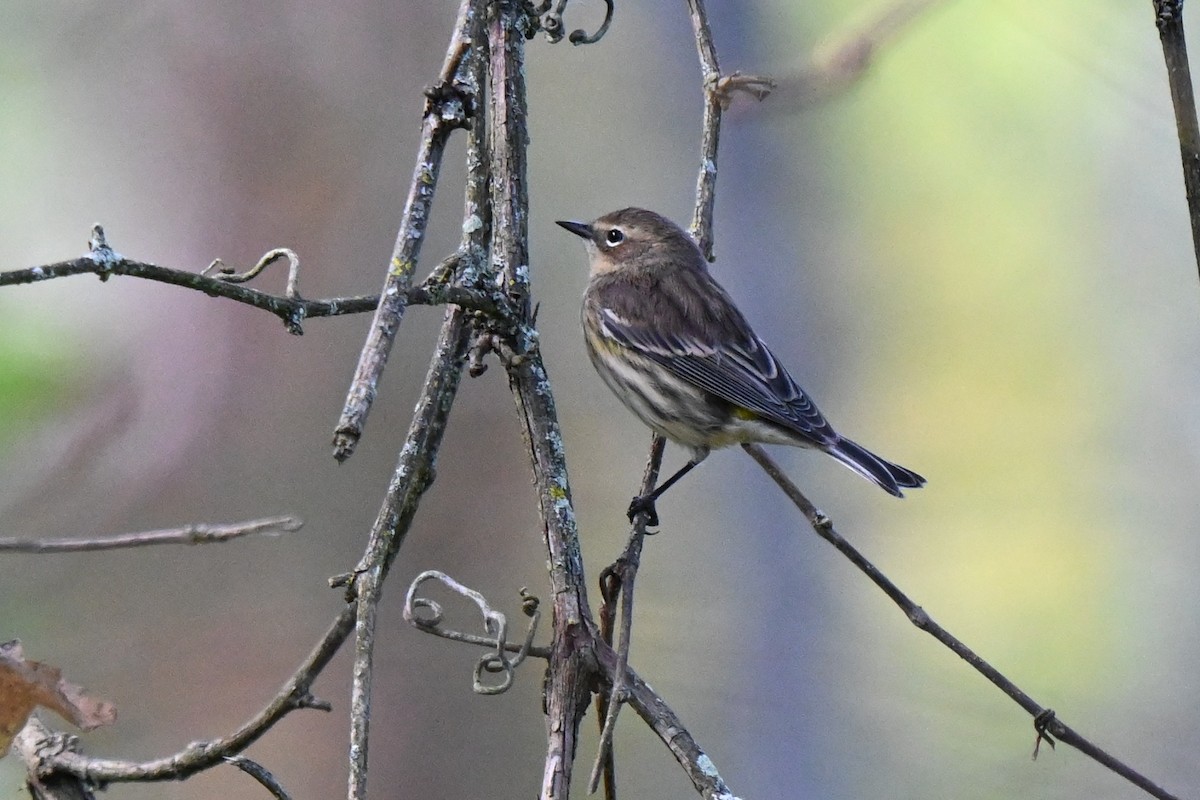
671 344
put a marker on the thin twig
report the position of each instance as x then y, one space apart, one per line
200 533
706 183
1047 723
622 574
413 476
414 473
292 310
1168 15
699 768
48 756
447 108
289 309
260 774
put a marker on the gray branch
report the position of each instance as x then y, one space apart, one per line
200 533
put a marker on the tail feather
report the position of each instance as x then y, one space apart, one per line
888 476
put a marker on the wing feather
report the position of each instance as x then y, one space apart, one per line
701 337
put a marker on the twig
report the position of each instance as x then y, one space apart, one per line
413 476
823 527
48 756
260 774
201 533
292 310
414 473
1168 15
620 576
706 183
447 108
717 92
618 580
699 768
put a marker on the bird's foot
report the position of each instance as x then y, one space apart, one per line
643 504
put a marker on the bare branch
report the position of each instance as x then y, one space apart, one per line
670 729
1046 722
413 476
706 182
43 756
200 533
568 684
260 774
1168 15
448 107
414 473
717 92
617 583
293 310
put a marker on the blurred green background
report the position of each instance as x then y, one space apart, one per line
977 261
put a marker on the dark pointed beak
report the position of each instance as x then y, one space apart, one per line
578 228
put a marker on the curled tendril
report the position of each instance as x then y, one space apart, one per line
580 36
552 23
495 625
430 620
291 288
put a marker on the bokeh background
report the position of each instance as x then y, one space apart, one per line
977 260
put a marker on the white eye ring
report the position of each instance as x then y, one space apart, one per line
614 237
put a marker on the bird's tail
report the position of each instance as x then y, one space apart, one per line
888 476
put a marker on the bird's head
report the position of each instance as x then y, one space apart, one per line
634 238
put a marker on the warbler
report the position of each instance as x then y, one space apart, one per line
673 346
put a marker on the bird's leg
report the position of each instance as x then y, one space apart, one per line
644 503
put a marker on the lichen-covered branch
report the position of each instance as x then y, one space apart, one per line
414 473
447 108
568 680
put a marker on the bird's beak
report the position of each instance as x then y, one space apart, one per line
578 228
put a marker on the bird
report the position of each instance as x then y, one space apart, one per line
671 344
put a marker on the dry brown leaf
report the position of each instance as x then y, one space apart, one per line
25 685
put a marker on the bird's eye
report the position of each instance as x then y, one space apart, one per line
614 236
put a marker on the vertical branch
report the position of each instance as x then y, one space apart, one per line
706 182
619 579
444 112
616 584
567 688
414 474
508 141
1168 15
